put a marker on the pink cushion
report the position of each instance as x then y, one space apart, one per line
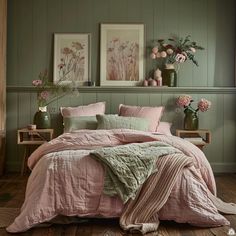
152 114
88 110
164 128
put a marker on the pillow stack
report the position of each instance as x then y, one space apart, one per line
93 117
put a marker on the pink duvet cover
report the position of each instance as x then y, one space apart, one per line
65 180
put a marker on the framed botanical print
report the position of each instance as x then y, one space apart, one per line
72 58
122 54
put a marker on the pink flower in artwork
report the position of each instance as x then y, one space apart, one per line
61 65
184 100
37 82
77 45
204 105
66 51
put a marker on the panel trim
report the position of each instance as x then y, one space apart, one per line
118 89
223 167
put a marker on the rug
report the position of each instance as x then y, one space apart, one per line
7 216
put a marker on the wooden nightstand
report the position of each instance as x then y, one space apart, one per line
199 137
30 139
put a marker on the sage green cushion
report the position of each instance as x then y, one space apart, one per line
121 122
81 122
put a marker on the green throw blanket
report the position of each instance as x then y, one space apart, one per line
128 166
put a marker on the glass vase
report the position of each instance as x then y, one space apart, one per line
190 120
42 118
169 76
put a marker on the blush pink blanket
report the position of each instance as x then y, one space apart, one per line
66 180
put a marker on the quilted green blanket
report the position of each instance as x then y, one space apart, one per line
128 166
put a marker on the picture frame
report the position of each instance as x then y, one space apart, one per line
122 54
72 58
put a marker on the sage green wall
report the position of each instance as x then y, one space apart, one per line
211 23
32 23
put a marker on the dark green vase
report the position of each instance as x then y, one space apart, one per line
169 76
190 120
42 119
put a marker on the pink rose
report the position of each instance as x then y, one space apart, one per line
153 55
204 105
158 55
163 54
44 95
37 82
155 50
169 51
180 58
184 100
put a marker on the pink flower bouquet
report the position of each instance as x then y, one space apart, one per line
48 91
185 101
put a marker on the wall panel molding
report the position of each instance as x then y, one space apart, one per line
118 89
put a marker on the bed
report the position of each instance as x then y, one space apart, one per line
67 179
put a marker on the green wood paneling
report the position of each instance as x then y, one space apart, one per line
186 28
211 43
39 38
12 42
32 23
69 14
229 135
116 100
220 119
25 42
200 35
13 160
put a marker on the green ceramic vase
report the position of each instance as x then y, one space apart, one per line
42 118
190 120
169 76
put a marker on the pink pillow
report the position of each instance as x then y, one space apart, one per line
152 114
88 110
164 128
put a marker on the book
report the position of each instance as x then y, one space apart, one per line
194 139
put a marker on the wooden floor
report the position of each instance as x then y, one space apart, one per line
15 187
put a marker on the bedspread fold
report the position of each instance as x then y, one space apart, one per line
139 213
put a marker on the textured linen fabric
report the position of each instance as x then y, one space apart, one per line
152 114
86 110
118 122
81 122
164 128
66 180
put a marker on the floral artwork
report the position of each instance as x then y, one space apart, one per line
122 60
71 61
122 49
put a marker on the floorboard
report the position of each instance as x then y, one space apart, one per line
12 190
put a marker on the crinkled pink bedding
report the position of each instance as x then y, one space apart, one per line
65 180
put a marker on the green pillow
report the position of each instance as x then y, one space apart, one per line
121 122
81 122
